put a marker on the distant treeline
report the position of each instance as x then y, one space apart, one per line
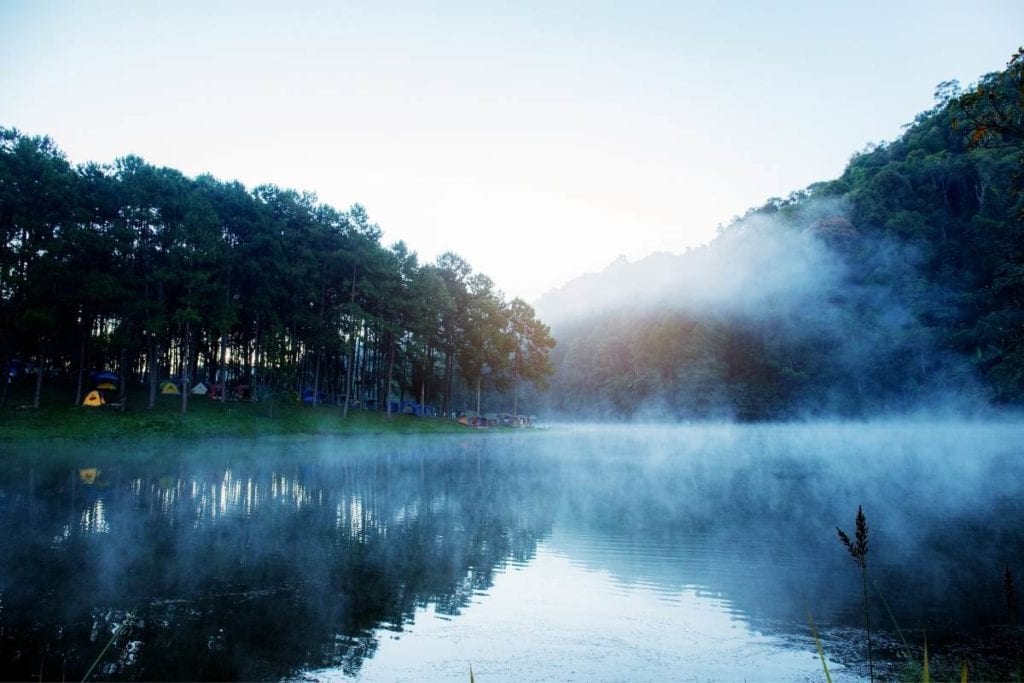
154 275
897 286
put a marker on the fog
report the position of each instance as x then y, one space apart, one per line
270 558
824 319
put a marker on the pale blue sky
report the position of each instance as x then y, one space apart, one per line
538 139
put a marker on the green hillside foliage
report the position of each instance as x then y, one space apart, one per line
898 286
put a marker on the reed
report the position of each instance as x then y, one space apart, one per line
925 676
858 550
126 625
1010 596
817 642
895 624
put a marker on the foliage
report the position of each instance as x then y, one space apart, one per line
898 285
156 275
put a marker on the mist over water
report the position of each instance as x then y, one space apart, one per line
575 553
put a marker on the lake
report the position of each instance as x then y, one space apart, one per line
573 553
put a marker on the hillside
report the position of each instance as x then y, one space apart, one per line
898 286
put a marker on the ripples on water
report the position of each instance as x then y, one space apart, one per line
587 554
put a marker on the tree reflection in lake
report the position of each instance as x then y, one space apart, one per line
643 552
249 568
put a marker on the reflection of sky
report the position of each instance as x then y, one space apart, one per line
554 620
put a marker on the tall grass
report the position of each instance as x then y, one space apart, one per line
858 550
1010 596
817 642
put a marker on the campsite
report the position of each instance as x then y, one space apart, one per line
206 418
511 341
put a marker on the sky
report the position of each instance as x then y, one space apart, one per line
538 140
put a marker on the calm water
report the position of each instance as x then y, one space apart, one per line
689 553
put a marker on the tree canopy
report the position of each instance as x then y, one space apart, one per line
268 291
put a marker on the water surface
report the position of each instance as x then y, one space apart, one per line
685 553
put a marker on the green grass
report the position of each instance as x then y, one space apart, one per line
205 418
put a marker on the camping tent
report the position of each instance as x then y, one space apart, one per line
200 389
307 396
105 376
168 387
93 399
106 386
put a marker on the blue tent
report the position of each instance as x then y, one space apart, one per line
105 376
412 408
307 396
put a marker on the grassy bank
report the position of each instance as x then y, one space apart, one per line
205 418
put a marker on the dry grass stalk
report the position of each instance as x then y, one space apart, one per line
858 550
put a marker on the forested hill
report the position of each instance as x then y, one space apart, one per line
897 286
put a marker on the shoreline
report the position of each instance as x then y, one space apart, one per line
207 419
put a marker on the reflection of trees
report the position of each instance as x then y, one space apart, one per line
246 569
257 569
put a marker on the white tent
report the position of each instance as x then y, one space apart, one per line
200 389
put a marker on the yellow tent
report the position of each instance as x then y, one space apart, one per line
93 399
169 388
106 386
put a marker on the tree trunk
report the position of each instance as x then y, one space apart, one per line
423 380
515 384
391 366
479 381
319 350
81 367
363 364
447 383
152 371
316 378
185 362
6 379
451 382
257 343
222 367
352 345
247 360
349 361
39 378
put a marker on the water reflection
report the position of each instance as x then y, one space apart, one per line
671 552
242 567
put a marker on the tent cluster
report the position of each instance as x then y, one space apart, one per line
104 382
473 419
412 408
107 382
